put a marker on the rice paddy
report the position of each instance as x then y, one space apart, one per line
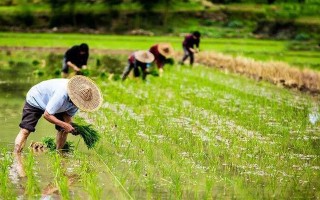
194 133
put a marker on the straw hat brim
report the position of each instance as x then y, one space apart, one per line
75 85
144 56
165 49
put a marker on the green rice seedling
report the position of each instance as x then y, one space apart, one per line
198 133
32 186
5 185
89 135
89 179
51 144
61 181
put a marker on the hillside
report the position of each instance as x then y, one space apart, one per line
291 20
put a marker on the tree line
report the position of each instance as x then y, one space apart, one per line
147 4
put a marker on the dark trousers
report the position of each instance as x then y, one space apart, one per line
187 53
31 116
136 71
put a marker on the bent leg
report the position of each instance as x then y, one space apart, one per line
126 71
20 140
191 58
61 139
144 72
18 164
185 55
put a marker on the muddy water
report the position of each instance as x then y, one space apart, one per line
12 97
13 87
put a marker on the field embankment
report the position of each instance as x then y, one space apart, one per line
278 73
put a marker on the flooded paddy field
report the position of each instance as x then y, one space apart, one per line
195 133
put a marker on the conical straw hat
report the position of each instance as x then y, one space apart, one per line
165 49
144 56
84 93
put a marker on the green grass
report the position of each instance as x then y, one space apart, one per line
254 48
32 185
199 133
6 187
60 179
195 133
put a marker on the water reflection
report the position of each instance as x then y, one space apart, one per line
16 79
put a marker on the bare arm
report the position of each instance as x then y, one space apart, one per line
192 50
65 125
73 66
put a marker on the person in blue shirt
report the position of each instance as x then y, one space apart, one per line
57 100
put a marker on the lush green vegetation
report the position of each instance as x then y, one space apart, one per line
195 133
302 54
280 20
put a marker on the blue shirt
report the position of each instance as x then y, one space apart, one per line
51 96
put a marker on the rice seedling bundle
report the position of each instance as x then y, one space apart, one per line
88 134
51 144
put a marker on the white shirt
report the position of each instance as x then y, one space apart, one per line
51 96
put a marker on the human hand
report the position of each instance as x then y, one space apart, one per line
74 132
79 73
77 69
68 128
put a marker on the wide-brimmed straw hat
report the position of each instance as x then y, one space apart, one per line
165 49
84 93
144 56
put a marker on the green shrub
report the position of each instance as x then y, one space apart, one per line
35 62
111 64
38 72
235 24
302 37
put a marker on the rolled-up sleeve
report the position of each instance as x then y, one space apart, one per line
55 103
72 111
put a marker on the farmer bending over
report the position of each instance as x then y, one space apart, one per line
188 44
138 59
57 100
76 58
161 53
